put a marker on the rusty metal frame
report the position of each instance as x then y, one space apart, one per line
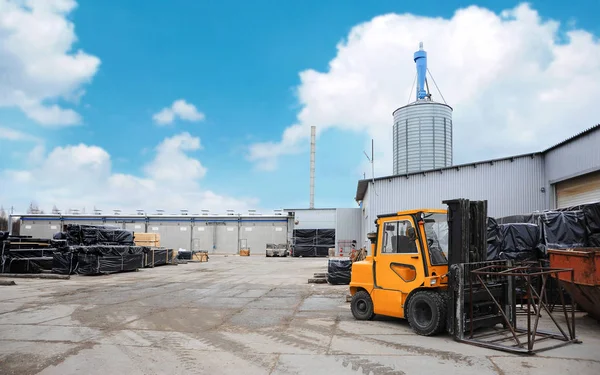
511 331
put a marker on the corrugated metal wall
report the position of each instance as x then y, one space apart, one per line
315 218
40 227
573 159
348 225
213 234
510 187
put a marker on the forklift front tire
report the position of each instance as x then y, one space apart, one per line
427 312
362 306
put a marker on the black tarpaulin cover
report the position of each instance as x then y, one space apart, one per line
338 271
157 257
592 217
28 265
65 263
594 240
313 242
517 241
98 259
564 230
104 250
184 254
3 236
97 235
325 236
91 264
305 251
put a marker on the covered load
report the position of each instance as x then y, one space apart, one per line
88 235
98 259
339 271
516 241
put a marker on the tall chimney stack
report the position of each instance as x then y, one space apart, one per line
312 167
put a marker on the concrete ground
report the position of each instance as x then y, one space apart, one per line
235 315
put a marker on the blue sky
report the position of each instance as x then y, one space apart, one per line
238 63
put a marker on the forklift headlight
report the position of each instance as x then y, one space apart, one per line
433 281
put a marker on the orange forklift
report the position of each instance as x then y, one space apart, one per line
406 275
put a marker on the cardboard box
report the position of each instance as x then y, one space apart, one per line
245 252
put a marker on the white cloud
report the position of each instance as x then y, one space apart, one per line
15 135
78 176
514 86
37 63
180 108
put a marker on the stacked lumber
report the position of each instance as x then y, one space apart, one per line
201 256
147 239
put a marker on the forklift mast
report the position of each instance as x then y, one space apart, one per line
467 244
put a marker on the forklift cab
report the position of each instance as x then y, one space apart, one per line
409 255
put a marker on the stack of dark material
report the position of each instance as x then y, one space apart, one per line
514 237
515 241
339 271
158 257
313 242
20 254
592 221
93 235
93 250
184 254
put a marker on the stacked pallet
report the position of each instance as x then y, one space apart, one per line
147 239
244 252
158 257
20 254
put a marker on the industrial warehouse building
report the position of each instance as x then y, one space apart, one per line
565 175
223 234
217 234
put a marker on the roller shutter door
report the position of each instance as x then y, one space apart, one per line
578 190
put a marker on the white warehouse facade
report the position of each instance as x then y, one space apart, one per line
565 175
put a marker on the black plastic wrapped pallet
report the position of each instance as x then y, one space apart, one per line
325 236
65 263
339 271
592 218
92 264
3 236
305 233
304 251
157 257
184 255
97 235
106 250
566 229
322 250
516 241
30 253
594 240
28 265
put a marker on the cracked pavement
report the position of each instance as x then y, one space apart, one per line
231 315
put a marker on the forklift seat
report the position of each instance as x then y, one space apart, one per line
403 245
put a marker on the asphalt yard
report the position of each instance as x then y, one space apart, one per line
236 315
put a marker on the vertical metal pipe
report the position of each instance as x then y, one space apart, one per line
312 166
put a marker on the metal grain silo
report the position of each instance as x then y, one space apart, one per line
422 129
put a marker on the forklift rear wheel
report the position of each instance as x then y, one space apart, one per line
362 306
427 313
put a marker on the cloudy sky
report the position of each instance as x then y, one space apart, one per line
194 105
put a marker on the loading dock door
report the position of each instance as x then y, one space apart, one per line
579 190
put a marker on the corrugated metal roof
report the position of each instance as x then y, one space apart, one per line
571 139
362 186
